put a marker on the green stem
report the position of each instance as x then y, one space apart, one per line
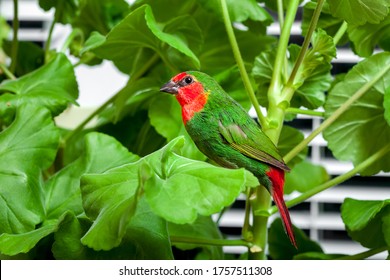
305 112
275 85
337 180
135 76
275 111
7 72
306 43
359 93
366 254
281 23
246 228
340 33
240 63
213 242
15 42
48 41
261 202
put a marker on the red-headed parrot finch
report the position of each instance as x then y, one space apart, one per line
225 133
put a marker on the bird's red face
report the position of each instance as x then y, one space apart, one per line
189 92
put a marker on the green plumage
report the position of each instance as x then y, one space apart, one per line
225 132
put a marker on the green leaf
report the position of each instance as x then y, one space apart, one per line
62 191
239 11
65 10
140 30
313 77
359 12
108 197
180 188
164 114
203 227
146 238
30 56
357 214
289 138
305 176
13 244
53 86
366 221
27 146
351 136
100 16
280 247
366 37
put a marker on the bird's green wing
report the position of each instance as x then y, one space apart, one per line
253 143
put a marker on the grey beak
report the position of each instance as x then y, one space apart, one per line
170 87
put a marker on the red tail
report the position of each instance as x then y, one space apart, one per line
276 176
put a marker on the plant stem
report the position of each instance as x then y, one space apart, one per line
48 41
15 42
261 202
7 72
275 111
337 180
306 43
275 85
359 93
240 63
135 76
305 112
337 37
366 254
213 242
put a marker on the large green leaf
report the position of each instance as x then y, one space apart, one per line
305 176
53 86
140 30
367 221
362 130
30 56
62 191
146 238
180 188
203 227
110 200
28 145
368 36
13 244
360 11
280 247
239 11
100 16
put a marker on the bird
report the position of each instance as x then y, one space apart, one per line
223 131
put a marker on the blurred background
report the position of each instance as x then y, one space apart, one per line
319 217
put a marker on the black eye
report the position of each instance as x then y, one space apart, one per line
188 80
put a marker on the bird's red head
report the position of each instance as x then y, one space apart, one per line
189 92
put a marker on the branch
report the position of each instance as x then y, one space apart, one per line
305 112
337 37
7 72
366 254
240 63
